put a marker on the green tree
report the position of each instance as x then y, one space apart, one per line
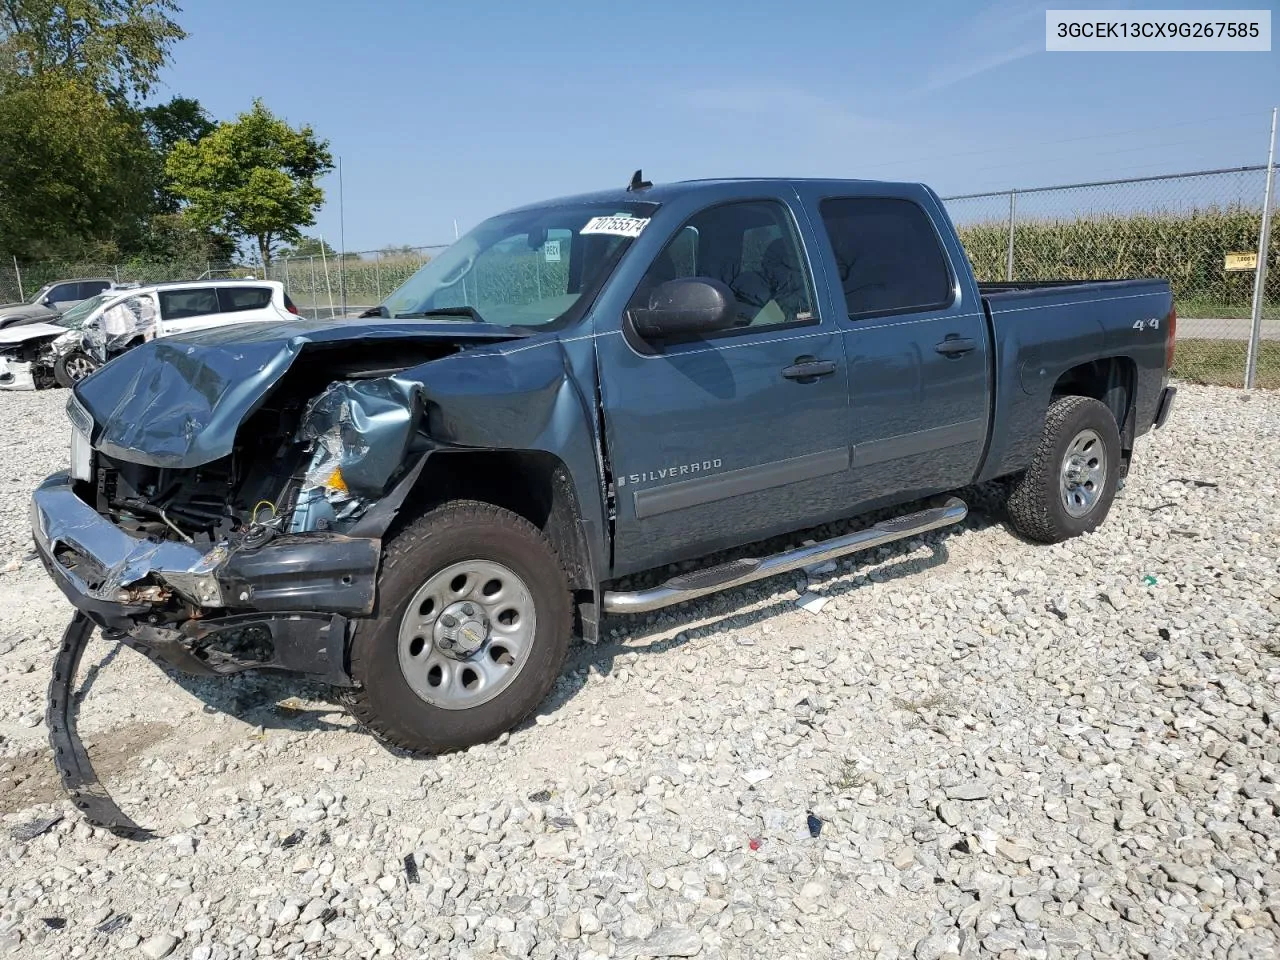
398 250
81 167
254 179
117 47
172 236
181 120
76 172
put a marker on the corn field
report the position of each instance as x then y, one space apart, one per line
1178 227
316 284
1188 249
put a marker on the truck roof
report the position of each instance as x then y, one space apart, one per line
661 192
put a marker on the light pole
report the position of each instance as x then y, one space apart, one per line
342 242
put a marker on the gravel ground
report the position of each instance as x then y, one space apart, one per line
977 747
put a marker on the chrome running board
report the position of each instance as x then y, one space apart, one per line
735 573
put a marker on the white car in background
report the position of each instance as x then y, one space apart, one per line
67 350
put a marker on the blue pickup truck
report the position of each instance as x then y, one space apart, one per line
424 504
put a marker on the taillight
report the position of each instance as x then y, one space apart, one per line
289 305
1171 336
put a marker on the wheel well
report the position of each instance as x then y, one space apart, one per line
533 483
1110 380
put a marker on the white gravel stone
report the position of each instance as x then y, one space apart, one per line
158 947
1011 750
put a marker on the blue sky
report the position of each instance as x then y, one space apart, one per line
460 110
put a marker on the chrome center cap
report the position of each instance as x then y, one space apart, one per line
462 630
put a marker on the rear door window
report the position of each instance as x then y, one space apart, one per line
235 299
888 258
180 304
91 288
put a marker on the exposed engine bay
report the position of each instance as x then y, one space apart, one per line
324 445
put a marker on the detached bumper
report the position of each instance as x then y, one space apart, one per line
294 594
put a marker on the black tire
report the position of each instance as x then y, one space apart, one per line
458 531
1036 504
70 369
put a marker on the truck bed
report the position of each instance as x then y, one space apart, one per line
1000 287
1040 330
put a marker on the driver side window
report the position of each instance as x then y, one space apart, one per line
750 246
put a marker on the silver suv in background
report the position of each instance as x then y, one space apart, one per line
51 300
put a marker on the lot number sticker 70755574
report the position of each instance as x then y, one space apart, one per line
618 226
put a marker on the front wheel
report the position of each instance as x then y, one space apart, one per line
1068 488
473 626
70 369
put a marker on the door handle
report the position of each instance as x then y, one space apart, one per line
954 346
809 369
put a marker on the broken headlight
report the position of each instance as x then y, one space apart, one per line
81 445
357 433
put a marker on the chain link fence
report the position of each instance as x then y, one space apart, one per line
20 281
1184 227
319 285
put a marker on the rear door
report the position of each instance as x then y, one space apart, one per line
725 439
188 308
914 334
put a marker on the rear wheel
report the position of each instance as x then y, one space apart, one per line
70 369
472 629
1068 488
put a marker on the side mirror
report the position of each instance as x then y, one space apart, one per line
687 307
47 301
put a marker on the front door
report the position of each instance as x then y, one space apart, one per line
719 441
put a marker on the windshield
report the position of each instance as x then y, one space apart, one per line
526 268
74 318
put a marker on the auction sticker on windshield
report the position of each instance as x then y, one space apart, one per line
618 226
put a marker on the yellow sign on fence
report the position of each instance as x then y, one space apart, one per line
1241 261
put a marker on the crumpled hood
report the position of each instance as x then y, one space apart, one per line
177 401
21 333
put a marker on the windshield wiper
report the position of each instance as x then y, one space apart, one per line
470 313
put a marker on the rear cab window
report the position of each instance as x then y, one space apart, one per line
235 299
888 257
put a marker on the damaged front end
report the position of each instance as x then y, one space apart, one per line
228 495
220 520
359 434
